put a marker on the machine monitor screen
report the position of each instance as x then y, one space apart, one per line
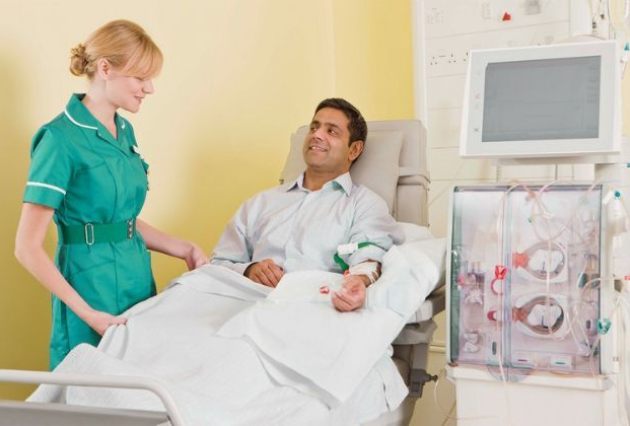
551 101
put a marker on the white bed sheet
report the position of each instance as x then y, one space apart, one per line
231 355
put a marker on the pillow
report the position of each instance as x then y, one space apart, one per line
413 232
428 257
377 167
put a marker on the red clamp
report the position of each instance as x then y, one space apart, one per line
492 315
500 272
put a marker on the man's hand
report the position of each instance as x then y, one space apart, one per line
352 294
265 272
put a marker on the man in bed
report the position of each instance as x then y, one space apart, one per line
301 224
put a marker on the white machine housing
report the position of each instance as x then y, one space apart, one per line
531 102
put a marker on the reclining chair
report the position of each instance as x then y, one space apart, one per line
393 164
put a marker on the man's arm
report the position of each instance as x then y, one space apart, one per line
372 224
234 250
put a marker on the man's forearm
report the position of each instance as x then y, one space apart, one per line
369 271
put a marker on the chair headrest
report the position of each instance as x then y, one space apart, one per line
392 151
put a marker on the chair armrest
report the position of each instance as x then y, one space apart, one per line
433 304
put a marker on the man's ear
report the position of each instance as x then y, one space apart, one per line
103 69
356 148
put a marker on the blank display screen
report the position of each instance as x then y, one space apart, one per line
542 100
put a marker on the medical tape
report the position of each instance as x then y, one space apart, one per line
369 269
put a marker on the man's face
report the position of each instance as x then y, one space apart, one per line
326 146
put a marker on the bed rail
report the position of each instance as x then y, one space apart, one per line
95 380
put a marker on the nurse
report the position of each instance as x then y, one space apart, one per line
87 174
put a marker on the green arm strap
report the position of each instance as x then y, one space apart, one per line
343 265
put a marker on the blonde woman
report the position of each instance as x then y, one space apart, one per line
88 175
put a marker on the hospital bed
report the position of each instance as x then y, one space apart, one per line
394 166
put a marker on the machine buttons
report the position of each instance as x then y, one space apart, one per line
561 362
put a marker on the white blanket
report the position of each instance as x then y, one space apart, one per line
233 352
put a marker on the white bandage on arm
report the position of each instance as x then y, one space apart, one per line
350 248
369 269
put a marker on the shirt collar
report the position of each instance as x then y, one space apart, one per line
296 183
80 116
343 181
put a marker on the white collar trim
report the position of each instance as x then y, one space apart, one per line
75 122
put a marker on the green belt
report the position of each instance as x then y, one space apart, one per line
93 233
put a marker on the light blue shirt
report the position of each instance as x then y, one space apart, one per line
301 229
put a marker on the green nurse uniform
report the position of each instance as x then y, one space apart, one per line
97 185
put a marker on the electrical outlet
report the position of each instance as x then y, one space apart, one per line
532 7
486 10
435 16
443 62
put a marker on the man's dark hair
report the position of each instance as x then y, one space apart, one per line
356 122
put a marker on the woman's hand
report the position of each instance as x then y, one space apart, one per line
159 241
29 249
101 321
195 257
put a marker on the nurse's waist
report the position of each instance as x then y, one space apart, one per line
97 233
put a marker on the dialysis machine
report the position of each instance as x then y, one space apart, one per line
535 325
525 272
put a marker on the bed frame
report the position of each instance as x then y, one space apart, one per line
22 413
408 204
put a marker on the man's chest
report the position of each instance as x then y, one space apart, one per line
302 216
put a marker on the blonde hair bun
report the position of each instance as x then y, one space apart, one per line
78 60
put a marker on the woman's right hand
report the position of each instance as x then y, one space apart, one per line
101 321
29 250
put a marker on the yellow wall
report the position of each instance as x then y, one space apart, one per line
239 76
373 56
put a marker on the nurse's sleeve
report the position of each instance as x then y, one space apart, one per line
372 223
50 171
234 249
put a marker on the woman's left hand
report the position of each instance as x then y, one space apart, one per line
195 257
